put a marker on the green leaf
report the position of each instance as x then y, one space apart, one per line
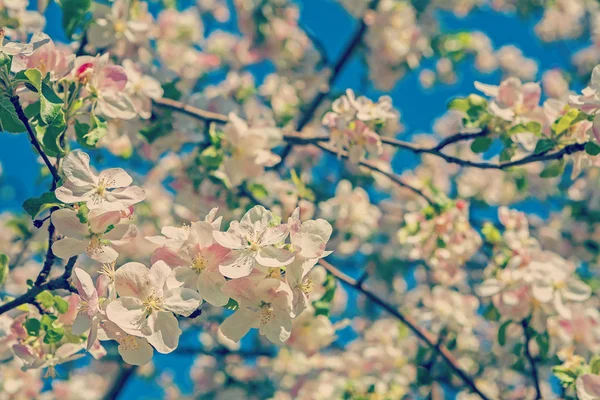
502 332
62 306
530 127
51 134
155 131
50 103
544 145
54 334
170 90
36 205
567 120
82 213
491 233
592 148
459 104
47 321
323 305
507 154
481 144
491 313
553 169
595 365
9 120
543 342
4 264
564 374
74 12
211 157
232 305
258 190
46 299
32 326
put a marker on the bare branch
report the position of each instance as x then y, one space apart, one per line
61 282
421 333
206 116
352 45
125 372
534 371
33 138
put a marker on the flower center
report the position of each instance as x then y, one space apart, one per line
307 285
101 188
153 303
83 307
95 245
199 263
267 313
128 343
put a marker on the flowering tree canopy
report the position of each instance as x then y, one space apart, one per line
208 190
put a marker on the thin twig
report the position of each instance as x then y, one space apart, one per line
414 148
61 282
32 137
295 139
373 167
352 45
421 333
125 372
50 257
534 371
178 106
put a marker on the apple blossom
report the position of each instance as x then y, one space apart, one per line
148 299
94 239
81 184
266 307
254 243
105 84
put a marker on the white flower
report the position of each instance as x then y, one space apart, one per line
133 349
267 306
248 150
81 184
106 83
197 261
555 282
147 303
253 241
142 89
588 387
92 239
24 49
88 310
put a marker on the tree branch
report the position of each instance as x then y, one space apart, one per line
125 372
61 282
295 139
436 150
421 333
32 137
353 43
206 116
373 167
534 372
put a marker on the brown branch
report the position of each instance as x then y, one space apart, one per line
373 167
61 282
126 371
206 116
295 139
50 257
352 45
534 371
415 148
33 138
421 333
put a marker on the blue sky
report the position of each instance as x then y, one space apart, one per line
328 21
